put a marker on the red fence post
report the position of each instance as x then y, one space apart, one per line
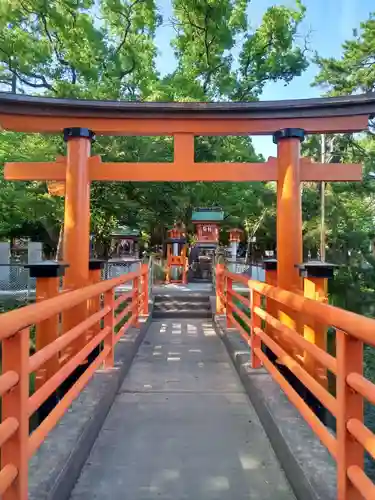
220 306
270 267
349 353
48 275
255 301
135 302
145 291
315 283
109 321
15 355
95 275
229 300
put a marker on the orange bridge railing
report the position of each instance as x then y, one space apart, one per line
101 329
263 318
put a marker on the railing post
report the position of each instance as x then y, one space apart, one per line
349 353
220 306
255 342
229 296
272 307
109 321
145 291
135 302
95 275
270 268
15 356
315 283
48 275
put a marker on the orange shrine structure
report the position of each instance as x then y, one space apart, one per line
293 312
176 256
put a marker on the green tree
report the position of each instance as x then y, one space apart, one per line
355 71
26 207
107 50
351 207
73 49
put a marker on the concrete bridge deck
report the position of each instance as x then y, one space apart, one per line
182 427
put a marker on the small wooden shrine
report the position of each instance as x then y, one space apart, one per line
207 224
125 243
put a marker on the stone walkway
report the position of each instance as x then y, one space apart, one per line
182 427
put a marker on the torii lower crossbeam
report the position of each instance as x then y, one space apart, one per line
183 171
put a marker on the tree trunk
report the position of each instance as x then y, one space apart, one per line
14 83
59 249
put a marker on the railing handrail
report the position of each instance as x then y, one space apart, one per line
293 327
14 321
358 326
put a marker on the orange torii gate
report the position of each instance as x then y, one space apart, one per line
288 121
81 120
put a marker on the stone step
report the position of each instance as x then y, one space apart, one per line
182 313
181 309
189 303
193 298
182 306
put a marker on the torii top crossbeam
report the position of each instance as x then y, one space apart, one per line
321 115
287 120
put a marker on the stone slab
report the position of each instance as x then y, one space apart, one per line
171 436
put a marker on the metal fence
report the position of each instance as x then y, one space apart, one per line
115 268
254 271
16 286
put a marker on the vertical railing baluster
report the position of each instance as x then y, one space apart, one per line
220 306
144 272
135 302
229 296
15 355
255 342
109 321
349 352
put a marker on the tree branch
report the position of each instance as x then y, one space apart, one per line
22 79
59 57
187 14
128 25
128 71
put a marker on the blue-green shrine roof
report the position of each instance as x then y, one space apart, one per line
126 231
214 214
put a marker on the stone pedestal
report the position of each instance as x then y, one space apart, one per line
231 265
4 261
233 249
174 270
34 252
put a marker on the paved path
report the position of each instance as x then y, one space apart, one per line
182 427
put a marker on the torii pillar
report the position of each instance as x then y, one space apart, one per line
289 208
76 249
